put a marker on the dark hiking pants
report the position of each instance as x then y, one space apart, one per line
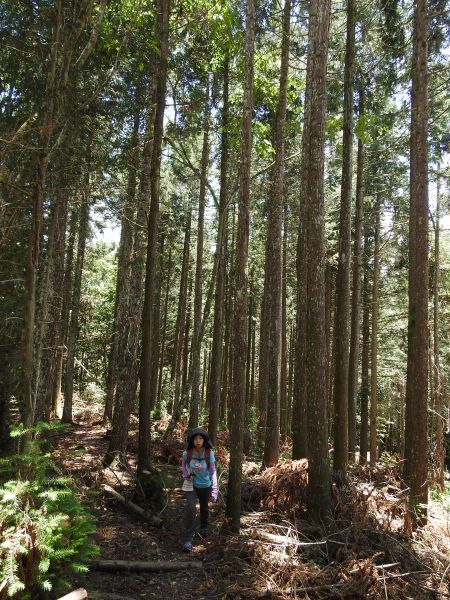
191 500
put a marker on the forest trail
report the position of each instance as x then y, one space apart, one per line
123 535
347 560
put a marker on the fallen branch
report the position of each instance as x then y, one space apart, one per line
79 594
156 521
400 575
108 596
289 541
265 536
143 566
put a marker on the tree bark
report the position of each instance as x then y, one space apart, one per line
158 406
157 320
196 342
51 305
300 400
438 417
284 408
248 359
63 331
319 497
364 393
67 414
127 371
356 295
374 341
123 267
177 362
147 350
416 441
275 256
340 459
27 394
240 341
213 393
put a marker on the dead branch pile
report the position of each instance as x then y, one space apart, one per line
362 552
281 488
286 483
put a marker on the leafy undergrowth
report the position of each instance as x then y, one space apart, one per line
280 553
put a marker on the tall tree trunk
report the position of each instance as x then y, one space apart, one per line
51 305
226 367
123 268
416 441
329 296
364 392
290 379
275 254
263 367
158 406
27 394
145 400
231 302
300 400
319 497
67 414
213 393
356 295
196 342
249 347
253 365
63 331
6 444
284 360
374 341
157 320
438 417
177 363
186 354
128 364
233 509
341 332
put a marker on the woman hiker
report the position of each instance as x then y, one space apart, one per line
200 480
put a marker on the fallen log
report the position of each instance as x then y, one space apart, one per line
156 521
79 594
142 566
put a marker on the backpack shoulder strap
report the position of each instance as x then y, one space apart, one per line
189 453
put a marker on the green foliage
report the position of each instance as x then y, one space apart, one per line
363 127
441 496
45 532
388 460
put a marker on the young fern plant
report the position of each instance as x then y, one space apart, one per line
45 533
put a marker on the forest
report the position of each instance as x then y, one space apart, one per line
232 215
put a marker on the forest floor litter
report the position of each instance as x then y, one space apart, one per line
280 553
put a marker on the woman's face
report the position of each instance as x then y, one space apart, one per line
198 441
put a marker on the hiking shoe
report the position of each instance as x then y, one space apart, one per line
187 547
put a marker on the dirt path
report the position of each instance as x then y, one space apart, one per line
123 535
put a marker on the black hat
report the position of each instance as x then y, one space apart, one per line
203 433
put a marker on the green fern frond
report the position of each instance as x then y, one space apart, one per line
46 585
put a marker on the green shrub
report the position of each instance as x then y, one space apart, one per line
45 533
